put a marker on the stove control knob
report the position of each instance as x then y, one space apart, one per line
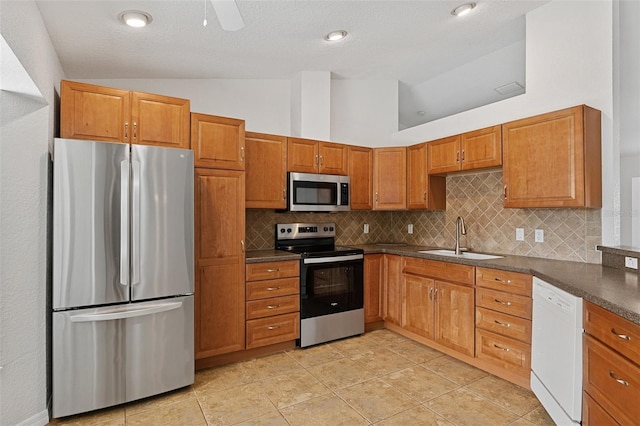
326 229
288 230
331 228
282 230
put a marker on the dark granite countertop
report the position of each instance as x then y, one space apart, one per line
612 289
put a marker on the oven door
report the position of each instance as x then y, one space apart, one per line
329 285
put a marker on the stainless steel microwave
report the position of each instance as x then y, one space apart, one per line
311 192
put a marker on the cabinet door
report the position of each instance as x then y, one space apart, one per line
423 191
481 148
218 142
392 309
593 414
94 112
418 305
160 120
443 155
361 177
302 155
553 160
390 178
220 284
333 158
455 317
373 279
266 169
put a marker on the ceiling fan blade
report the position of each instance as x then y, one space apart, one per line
228 14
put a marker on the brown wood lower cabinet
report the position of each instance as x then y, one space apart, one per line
611 368
435 309
373 279
273 303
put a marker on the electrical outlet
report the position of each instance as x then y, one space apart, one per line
631 262
366 228
410 228
519 234
539 236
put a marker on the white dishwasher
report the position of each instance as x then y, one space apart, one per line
556 352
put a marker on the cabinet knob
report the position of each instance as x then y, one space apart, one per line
457 156
424 195
126 131
135 131
284 194
316 160
241 153
462 155
505 192
242 245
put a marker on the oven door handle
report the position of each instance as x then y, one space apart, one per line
332 259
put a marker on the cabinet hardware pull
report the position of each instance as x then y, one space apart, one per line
316 160
622 336
376 198
435 294
424 196
613 376
126 130
241 153
284 194
273 306
273 288
322 160
431 293
273 327
273 270
242 245
463 155
135 131
457 156
501 348
504 324
502 302
505 192
502 281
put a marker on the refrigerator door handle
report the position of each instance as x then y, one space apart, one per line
135 223
132 313
124 222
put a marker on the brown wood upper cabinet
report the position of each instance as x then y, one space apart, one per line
553 160
390 178
423 191
310 156
361 177
217 142
472 150
102 113
266 169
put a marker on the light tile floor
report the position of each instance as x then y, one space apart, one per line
378 378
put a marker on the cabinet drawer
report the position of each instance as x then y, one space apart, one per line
500 301
593 414
443 270
613 330
271 330
509 354
512 282
272 306
504 324
611 380
271 288
270 270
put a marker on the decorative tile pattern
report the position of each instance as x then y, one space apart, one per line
569 234
345 383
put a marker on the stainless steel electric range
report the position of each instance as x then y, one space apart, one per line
331 282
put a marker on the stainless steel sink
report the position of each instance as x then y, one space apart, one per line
463 255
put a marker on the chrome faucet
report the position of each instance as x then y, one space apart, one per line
460 229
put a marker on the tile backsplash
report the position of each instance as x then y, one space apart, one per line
569 234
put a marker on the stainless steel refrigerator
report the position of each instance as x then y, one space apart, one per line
123 273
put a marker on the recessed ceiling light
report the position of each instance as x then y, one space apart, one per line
463 9
336 35
135 18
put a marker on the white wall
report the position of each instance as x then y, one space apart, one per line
364 112
26 129
568 62
263 104
628 116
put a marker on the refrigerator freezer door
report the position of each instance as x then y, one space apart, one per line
87 230
107 356
162 262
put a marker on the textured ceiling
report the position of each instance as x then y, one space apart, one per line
409 41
